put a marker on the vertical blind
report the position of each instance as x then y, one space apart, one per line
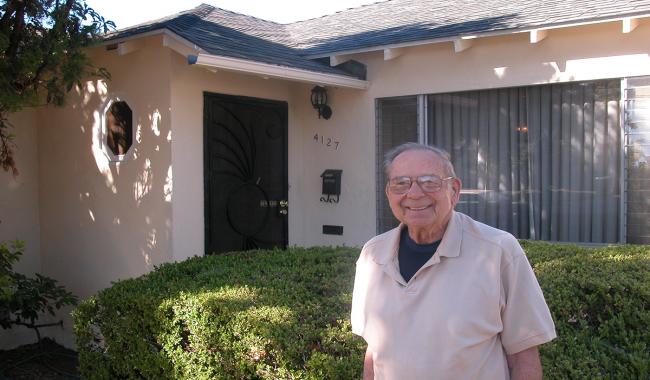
542 162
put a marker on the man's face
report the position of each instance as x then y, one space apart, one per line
417 209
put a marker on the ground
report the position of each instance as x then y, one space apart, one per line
45 361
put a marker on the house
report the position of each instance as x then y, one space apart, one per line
206 140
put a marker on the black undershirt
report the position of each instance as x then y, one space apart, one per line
412 256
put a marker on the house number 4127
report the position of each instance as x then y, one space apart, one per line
327 141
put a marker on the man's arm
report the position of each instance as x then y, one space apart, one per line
524 365
368 371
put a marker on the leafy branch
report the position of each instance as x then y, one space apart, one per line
23 299
42 57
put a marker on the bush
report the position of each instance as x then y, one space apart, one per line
600 301
285 315
256 314
22 299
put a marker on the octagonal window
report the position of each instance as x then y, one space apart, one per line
119 128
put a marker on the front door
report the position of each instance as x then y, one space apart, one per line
245 173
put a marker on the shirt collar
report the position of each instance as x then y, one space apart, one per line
451 240
449 246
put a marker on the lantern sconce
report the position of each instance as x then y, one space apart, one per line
319 102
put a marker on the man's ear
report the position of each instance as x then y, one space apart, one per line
456 186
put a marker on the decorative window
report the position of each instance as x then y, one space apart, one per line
117 129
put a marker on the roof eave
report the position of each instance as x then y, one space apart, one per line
156 32
275 71
495 33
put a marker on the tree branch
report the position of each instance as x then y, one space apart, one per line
16 33
34 325
6 17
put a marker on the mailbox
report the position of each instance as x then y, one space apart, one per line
331 185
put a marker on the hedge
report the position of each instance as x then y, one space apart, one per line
600 302
285 315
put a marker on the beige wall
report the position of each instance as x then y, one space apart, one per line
105 221
19 209
573 54
352 126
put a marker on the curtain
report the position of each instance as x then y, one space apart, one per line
542 162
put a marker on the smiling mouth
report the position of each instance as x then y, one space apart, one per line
417 208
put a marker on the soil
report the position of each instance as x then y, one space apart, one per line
46 360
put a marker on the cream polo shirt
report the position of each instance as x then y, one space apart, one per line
475 301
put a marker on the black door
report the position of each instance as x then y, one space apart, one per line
245 171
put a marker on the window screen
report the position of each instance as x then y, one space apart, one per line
397 123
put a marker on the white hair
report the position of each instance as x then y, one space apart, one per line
390 156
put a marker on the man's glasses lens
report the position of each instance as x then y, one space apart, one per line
428 184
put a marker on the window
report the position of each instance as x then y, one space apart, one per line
117 129
542 162
397 118
637 147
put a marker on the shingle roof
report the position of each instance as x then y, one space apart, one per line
399 21
225 33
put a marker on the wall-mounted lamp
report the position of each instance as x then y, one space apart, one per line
319 101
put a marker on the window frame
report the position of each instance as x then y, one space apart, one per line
108 152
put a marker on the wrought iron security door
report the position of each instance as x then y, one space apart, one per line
245 173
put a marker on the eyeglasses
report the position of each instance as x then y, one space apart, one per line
428 183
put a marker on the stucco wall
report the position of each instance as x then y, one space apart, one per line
19 209
569 54
103 221
352 127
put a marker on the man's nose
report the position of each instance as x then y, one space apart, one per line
415 191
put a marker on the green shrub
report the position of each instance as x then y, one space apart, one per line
22 299
600 301
256 314
285 315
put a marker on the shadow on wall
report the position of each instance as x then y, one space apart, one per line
120 223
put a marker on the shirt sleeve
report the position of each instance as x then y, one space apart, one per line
527 321
358 314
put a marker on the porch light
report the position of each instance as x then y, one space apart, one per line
319 102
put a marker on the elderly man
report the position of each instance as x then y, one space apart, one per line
443 296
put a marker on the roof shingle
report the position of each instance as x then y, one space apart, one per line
230 34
